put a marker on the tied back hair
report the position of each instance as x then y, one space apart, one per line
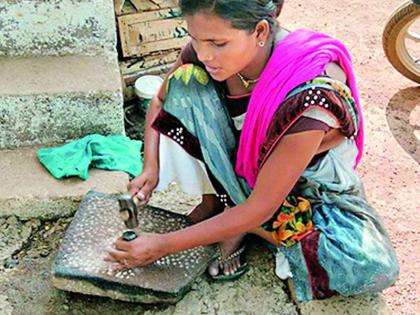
243 14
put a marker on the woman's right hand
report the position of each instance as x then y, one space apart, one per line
143 185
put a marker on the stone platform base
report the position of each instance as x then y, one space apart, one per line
28 191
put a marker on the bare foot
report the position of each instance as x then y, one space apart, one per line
209 206
227 247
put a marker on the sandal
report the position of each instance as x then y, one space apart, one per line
222 261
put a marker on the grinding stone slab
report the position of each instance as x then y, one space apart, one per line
79 266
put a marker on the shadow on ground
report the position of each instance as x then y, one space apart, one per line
403 126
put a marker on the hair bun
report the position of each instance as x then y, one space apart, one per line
279 5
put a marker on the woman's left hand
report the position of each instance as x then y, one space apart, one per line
143 250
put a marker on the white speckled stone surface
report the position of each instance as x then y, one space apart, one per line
56 27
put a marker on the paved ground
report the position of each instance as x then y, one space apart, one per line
390 170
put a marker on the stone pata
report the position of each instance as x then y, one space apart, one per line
79 266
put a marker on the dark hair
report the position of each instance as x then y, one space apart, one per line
243 14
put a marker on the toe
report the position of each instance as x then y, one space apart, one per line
226 269
213 269
237 264
232 267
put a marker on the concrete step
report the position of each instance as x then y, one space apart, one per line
27 190
57 27
48 100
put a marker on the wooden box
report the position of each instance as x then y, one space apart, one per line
144 33
133 6
136 66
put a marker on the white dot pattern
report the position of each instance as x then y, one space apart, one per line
176 134
314 98
223 199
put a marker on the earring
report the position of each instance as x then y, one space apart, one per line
261 43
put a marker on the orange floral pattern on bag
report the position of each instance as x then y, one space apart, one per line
291 222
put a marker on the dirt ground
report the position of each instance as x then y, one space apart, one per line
390 171
390 167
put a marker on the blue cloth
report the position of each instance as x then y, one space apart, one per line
116 153
353 249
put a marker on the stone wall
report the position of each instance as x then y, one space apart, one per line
56 27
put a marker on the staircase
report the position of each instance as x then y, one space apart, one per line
59 81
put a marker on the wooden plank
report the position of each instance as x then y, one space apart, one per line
144 5
150 5
144 33
154 31
152 16
163 45
166 3
122 27
143 63
128 8
118 6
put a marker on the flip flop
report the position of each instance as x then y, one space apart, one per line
239 272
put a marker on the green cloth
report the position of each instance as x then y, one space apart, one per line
116 153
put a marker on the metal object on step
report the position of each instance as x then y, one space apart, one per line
80 267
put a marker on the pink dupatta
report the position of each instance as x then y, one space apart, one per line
299 57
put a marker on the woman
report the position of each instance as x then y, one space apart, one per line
267 126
